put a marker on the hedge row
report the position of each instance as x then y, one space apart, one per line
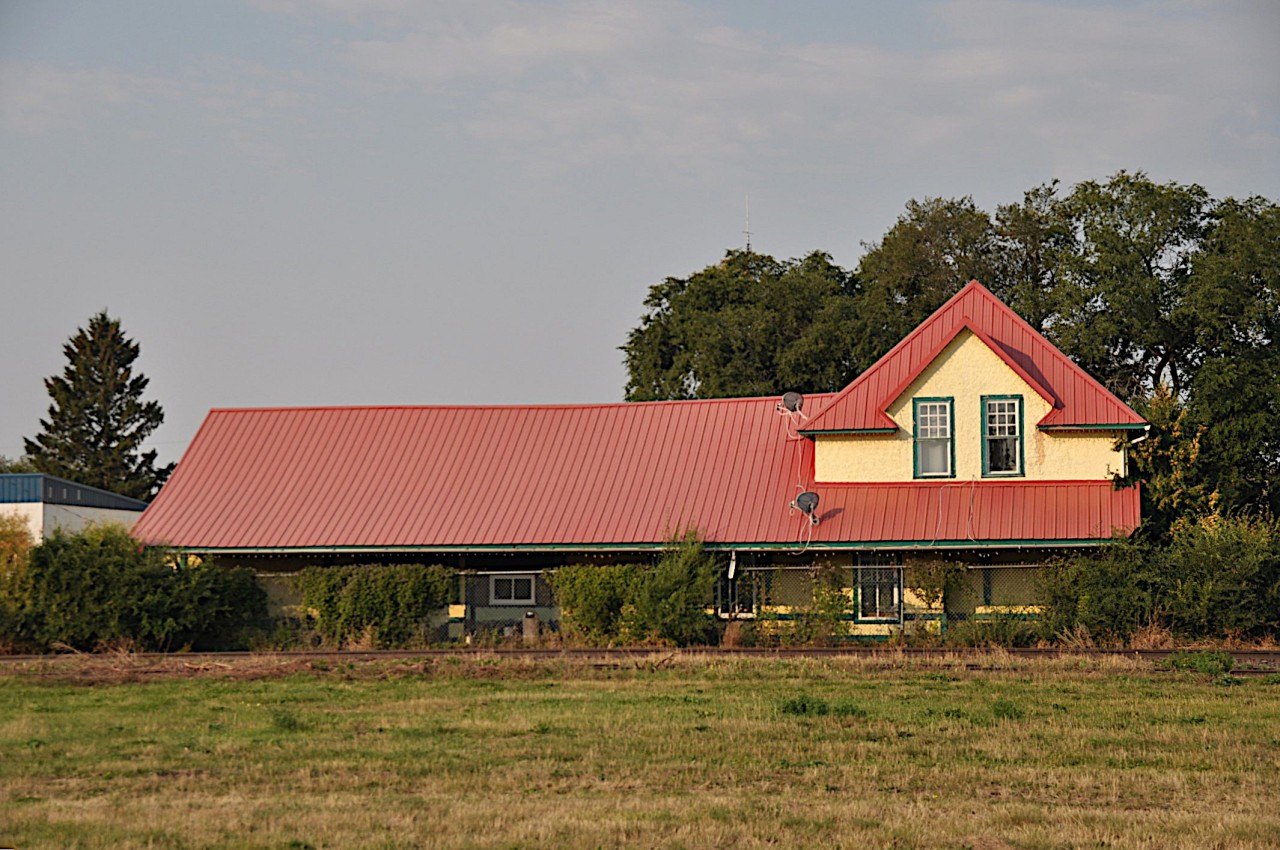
638 603
1217 577
388 606
100 587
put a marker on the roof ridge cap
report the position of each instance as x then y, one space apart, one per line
502 406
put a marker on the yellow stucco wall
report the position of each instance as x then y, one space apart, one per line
966 370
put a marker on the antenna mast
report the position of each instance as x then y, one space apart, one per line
748 225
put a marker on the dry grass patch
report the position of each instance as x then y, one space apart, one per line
667 751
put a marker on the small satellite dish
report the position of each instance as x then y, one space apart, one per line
793 401
807 502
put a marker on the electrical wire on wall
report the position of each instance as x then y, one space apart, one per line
972 483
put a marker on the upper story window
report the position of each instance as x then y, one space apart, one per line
1002 435
935 452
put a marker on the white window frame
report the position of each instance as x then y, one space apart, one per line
933 433
879 576
1008 427
513 578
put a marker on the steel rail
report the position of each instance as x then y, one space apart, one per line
1263 660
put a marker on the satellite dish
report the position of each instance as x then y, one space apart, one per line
807 502
793 401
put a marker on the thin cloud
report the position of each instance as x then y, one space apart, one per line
553 84
36 98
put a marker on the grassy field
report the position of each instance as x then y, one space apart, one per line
693 753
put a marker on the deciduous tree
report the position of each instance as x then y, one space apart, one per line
750 325
936 247
1121 284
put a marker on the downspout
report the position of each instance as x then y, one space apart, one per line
1146 432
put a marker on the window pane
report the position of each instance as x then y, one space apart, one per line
522 589
1002 454
935 457
502 588
878 593
933 421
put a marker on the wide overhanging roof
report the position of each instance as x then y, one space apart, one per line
581 478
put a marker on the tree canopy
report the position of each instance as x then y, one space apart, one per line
744 327
22 464
98 419
1169 297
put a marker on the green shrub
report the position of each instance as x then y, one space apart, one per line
1111 593
1216 577
15 548
932 579
672 599
632 602
100 586
824 621
1208 663
391 604
1000 630
15 545
1221 577
593 598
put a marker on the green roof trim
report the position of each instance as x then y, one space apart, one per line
646 547
1128 426
809 433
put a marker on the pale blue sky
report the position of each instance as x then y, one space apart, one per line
393 202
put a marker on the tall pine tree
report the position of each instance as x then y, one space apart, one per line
98 420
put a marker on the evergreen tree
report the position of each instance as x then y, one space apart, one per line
98 420
22 464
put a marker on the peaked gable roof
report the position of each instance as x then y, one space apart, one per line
1076 399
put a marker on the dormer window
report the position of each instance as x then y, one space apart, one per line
1001 435
935 452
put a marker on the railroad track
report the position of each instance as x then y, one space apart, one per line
1245 661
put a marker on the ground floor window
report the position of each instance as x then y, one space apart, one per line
879 581
743 593
511 590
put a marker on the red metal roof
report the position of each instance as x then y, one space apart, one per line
625 475
1077 399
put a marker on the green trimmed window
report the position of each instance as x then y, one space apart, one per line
935 449
1002 435
879 582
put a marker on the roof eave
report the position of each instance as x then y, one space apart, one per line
1096 426
758 546
815 432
